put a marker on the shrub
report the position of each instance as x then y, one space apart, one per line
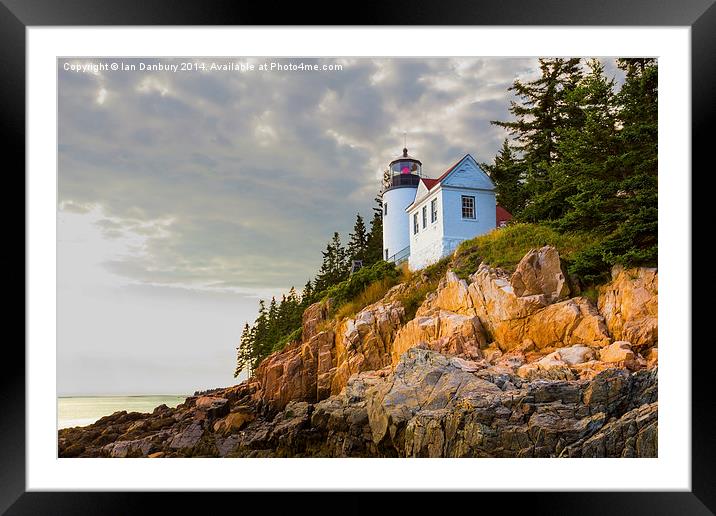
629 246
285 341
413 298
423 282
351 288
591 293
372 293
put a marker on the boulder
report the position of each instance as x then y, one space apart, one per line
135 448
576 354
629 304
423 380
540 273
495 301
188 437
206 402
443 331
550 367
619 351
451 295
633 434
530 321
234 422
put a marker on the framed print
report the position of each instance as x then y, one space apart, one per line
419 252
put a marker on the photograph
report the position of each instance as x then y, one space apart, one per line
357 257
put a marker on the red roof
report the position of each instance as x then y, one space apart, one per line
501 215
430 183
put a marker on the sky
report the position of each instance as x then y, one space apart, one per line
185 196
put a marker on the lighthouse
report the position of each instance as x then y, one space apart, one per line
404 178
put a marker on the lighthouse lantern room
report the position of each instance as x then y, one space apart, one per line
405 173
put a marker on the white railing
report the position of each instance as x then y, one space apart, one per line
400 256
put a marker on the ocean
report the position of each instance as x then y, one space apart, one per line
85 410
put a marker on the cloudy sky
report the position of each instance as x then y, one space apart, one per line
185 196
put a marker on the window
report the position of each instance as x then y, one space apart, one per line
415 224
386 255
425 217
468 207
434 210
385 209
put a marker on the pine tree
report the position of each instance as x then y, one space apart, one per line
307 294
589 157
335 266
358 243
282 316
637 231
584 179
293 303
618 195
243 352
374 251
546 106
262 344
508 176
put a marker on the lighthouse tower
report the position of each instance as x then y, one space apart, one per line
405 174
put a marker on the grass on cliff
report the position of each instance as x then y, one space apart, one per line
372 293
387 276
364 287
420 284
505 247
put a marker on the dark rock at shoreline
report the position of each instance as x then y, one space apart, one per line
430 405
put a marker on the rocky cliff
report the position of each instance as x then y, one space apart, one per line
501 365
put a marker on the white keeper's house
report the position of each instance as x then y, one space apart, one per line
425 219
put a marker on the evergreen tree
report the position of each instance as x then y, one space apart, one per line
335 266
508 176
546 106
307 294
243 358
634 241
283 315
262 345
358 243
374 251
584 178
638 115
293 305
617 155
272 332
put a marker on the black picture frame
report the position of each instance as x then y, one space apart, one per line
17 15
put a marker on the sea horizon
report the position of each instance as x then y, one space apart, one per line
83 410
122 395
